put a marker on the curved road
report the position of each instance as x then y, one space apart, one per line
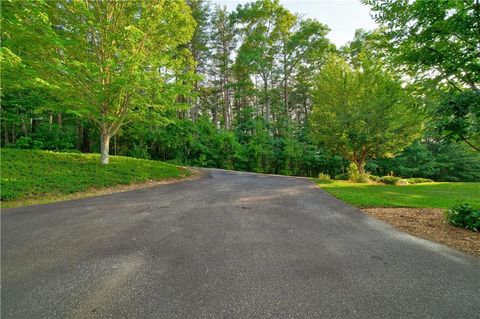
228 245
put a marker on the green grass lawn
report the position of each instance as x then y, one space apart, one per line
32 174
428 195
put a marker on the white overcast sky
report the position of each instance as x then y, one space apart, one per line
342 16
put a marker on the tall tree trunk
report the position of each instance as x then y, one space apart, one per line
14 134
79 135
226 99
215 116
267 101
34 127
6 138
104 146
115 145
285 83
24 127
85 139
50 122
226 119
194 103
59 120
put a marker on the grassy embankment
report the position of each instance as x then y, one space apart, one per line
428 195
30 176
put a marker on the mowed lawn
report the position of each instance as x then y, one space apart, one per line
32 174
428 195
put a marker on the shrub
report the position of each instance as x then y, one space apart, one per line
138 151
352 172
26 142
323 176
342 176
464 216
390 180
418 180
354 175
374 178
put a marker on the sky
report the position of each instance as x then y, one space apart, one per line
343 17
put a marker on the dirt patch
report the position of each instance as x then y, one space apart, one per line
430 224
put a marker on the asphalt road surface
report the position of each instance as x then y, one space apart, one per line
227 245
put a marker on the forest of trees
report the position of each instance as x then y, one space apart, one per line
259 89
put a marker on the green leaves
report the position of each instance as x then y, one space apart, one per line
432 38
464 216
437 43
362 112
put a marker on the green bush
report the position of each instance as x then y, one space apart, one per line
138 151
323 176
342 176
26 142
390 180
418 180
464 216
374 178
352 172
354 175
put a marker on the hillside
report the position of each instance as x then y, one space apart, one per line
30 174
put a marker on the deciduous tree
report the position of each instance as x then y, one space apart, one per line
362 112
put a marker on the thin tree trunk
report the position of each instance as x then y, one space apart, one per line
5 135
24 127
59 120
79 135
104 147
85 140
267 102
226 119
215 116
285 92
115 144
34 127
14 134
285 83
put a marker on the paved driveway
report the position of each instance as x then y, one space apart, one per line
228 245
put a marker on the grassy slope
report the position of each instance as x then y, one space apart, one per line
429 195
33 174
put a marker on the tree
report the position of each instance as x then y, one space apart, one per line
263 23
437 44
223 43
300 41
457 117
115 61
200 50
24 91
362 112
434 38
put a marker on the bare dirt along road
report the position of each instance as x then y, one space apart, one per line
227 245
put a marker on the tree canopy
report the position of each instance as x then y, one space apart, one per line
257 88
362 112
437 44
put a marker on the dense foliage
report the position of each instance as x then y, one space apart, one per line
437 43
362 112
253 89
431 159
464 216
